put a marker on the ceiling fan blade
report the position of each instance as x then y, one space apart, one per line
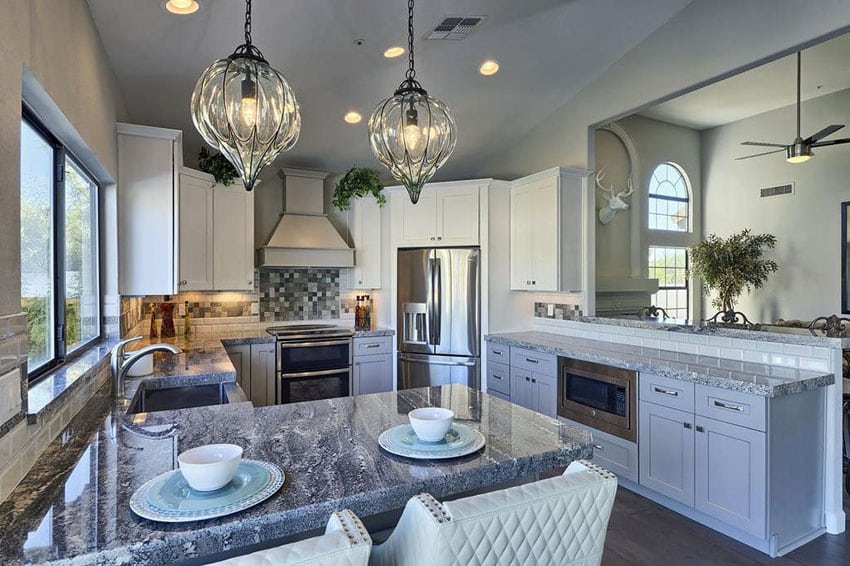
765 144
827 131
831 142
760 154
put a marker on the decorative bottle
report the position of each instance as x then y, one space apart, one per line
359 314
166 329
153 333
187 321
367 308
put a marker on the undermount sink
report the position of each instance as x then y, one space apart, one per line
149 400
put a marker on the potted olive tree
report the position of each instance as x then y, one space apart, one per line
357 183
730 265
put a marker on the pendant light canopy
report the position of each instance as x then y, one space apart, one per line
412 133
245 108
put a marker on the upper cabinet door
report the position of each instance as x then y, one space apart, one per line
233 238
544 229
196 233
522 246
418 226
458 215
365 226
148 160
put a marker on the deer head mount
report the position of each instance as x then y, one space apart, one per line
615 199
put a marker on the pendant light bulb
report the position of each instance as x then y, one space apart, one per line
248 104
412 134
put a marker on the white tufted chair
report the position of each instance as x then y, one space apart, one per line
560 520
345 543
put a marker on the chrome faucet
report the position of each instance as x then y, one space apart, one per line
120 366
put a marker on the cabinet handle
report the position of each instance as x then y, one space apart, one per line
531 360
666 392
528 379
533 282
432 237
439 237
700 429
533 380
598 447
497 376
370 346
729 406
497 352
688 425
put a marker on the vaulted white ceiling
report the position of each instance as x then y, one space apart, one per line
548 50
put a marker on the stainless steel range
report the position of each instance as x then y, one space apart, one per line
313 362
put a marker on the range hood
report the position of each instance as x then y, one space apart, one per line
304 237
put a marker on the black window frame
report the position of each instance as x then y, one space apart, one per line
687 286
60 155
687 200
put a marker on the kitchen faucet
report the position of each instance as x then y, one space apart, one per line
120 366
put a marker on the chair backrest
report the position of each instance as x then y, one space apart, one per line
345 543
556 521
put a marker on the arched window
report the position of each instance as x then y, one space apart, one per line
669 199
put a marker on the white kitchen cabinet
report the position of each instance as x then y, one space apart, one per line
196 231
233 238
373 365
547 211
149 160
447 214
667 451
364 223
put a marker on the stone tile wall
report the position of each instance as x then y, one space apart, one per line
299 294
561 311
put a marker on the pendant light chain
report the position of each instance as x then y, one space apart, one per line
248 23
411 69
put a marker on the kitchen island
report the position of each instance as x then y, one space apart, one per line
74 504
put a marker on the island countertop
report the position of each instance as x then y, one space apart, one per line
74 504
759 379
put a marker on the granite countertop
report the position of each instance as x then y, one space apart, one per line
759 379
73 505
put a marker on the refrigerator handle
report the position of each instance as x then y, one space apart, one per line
437 316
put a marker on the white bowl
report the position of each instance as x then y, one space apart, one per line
431 423
210 467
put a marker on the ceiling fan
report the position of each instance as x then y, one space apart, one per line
801 149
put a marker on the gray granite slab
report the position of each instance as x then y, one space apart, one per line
759 379
73 506
374 333
767 333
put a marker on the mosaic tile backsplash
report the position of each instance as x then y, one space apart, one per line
562 311
299 293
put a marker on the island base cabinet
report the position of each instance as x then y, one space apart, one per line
666 452
534 391
240 357
255 371
730 474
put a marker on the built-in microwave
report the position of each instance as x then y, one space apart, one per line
599 396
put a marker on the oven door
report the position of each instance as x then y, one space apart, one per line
314 385
301 357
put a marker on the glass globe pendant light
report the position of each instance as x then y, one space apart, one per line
245 108
412 133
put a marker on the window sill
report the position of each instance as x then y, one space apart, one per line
46 396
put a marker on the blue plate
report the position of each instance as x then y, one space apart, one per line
169 498
460 441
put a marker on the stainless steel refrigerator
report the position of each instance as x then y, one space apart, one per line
439 317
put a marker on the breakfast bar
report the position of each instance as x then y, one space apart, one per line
75 503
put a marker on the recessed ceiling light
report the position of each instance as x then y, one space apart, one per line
489 67
352 117
182 7
394 52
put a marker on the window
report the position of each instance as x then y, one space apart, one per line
668 199
59 249
670 266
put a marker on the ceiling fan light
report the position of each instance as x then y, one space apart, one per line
798 152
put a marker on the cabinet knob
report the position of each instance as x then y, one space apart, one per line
432 237
533 380
688 425
528 379
184 282
700 429
534 282
360 282
528 282
439 237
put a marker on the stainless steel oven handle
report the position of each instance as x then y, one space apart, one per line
290 345
666 392
316 373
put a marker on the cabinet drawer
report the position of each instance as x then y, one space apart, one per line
667 392
498 353
497 395
498 378
743 409
612 452
538 362
372 346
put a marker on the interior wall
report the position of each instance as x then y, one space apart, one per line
58 44
807 224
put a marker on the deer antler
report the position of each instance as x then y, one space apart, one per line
599 176
631 188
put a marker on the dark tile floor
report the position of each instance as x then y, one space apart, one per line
642 532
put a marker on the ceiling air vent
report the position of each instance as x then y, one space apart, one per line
455 27
777 191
